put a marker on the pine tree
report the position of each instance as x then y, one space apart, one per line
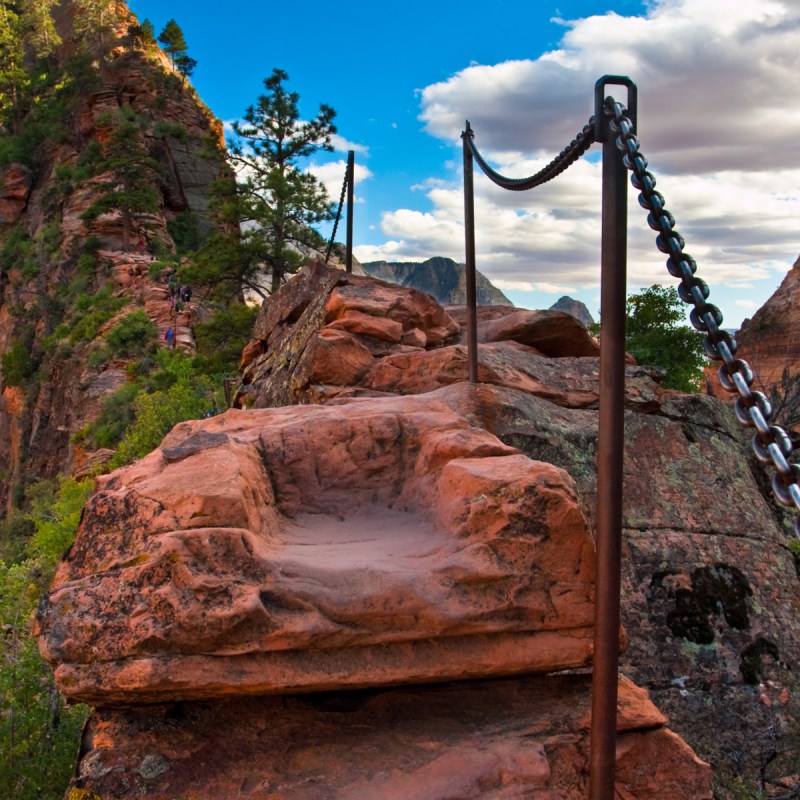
13 76
279 204
39 27
173 40
130 189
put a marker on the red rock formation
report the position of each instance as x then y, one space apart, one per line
15 186
710 590
483 740
386 540
770 342
379 542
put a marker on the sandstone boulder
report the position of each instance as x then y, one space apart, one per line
369 543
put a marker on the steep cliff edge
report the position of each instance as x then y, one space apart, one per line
69 277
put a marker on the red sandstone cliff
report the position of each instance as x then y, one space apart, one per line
40 213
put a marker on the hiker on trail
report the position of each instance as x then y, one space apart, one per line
170 337
186 293
178 306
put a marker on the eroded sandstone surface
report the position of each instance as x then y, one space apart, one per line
368 519
379 542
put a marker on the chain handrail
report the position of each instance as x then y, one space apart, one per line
771 444
566 158
338 217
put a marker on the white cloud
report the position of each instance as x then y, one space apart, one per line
331 175
342 145
716 121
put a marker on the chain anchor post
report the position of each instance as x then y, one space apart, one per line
610 447
348 258
469 236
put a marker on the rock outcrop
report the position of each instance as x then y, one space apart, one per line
710 588
442 278
481 740
384 541
770 342
395 534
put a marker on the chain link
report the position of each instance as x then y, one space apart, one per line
771 445
336 221
568 156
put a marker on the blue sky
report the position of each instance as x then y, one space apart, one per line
719 123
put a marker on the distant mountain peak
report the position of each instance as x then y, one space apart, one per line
440 277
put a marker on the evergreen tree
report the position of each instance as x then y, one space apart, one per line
172 39
130 189
39 27
278 203
185 66
92 18
13 77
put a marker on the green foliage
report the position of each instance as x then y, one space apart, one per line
221 339
15 531
132 335
91 312
116 415
173 40
275 201
130 189
161 130
19 362
185 232
39 735
657 336
187 396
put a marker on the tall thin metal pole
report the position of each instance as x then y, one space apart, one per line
609 473
348 258
469 235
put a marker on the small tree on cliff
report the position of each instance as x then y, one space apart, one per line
278 203
173 40
131 186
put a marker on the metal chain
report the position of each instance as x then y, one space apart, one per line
771 445
338 217
568 156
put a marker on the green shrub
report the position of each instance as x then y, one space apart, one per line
132 335
19 364
116 415
39 735
174 392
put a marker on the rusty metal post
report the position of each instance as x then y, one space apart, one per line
348 258
469 235
611 439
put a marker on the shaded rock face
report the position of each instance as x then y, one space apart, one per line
483 740
441 278
770 342
710 589
15 186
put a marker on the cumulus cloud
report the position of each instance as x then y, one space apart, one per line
331 176
715 121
